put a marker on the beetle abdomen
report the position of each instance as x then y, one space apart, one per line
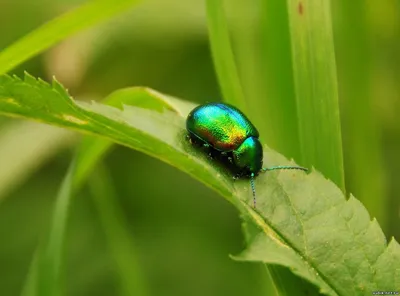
220 125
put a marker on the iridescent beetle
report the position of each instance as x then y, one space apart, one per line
226 130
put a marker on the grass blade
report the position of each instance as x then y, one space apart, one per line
49 275
116 230
277 74
59 29
316 92
223 57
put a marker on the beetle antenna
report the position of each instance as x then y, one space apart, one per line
284 167
253 188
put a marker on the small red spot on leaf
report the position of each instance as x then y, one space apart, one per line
300 8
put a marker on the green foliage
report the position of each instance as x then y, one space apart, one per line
303 222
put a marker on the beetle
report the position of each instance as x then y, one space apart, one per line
226 131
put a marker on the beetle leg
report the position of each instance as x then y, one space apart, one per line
189 138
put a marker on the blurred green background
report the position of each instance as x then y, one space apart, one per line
183 233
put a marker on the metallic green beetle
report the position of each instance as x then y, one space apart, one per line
225 129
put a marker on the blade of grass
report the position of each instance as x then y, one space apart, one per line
276 72
223 57
59 29
316 92
116 230
30 286
49 271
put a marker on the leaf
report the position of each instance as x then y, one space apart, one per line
334 237
314 70
305 222
60 28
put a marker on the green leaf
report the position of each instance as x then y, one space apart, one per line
59 29
304 221
314 70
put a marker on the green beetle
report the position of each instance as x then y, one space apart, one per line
226 130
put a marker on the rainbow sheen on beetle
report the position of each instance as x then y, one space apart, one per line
225 130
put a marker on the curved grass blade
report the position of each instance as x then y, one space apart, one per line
59 29
223 57
304 219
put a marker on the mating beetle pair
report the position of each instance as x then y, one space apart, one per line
226 130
